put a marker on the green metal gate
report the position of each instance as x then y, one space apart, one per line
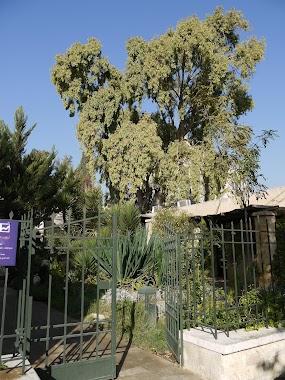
173 294
62 271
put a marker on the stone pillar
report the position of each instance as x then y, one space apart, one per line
265 234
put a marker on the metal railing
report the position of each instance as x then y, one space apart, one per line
58 337
229 277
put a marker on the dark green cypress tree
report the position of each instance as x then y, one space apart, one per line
31 180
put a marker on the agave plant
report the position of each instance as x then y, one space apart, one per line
136 255
129 217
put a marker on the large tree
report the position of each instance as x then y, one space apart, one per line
193 81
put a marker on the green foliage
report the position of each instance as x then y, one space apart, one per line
83 265
128 217
135 256
196 78
199 164
245 178
2 366
250 309
132 325
58 286
28 180
179 221
131 157
138 255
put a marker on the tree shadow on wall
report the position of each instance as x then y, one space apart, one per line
273 365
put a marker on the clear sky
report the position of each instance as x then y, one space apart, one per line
32 32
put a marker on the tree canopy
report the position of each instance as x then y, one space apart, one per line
37 180
170 122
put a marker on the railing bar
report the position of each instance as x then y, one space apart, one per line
187 264
98 279
193 273
19 300
51 258
213 280
233 232
114 289
27 295
82 281
78 335
179 328
203 276
225 281
66 286
3 311
244 270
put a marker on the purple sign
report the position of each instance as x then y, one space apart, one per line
8 242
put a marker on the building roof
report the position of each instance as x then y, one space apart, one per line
273 198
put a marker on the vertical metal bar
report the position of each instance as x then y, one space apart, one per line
66 286
98 280
20 293
247 238
252 260
194 277
114 289
51 258
225 279
18 323
3 311
235 272
22 331
213 281
180 308
252 253
203 273
84 252
29 308
27 338
187 287
244 269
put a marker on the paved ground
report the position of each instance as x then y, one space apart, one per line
142 365
132 363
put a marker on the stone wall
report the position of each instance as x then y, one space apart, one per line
254 355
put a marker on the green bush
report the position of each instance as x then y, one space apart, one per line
172 216
132 325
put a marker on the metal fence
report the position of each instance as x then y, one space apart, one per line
45 298
223 277
229 277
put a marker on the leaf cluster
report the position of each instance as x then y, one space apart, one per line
38 180
170 122
27 180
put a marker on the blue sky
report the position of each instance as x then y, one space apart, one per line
32 32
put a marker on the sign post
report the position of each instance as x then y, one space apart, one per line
8 242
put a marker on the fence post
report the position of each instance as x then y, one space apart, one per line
264 222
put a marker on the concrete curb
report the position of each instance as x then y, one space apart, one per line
15 362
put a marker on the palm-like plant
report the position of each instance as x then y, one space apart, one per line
128 215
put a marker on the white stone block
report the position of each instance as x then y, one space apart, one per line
254 355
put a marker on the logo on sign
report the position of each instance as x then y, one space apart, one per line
5 227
